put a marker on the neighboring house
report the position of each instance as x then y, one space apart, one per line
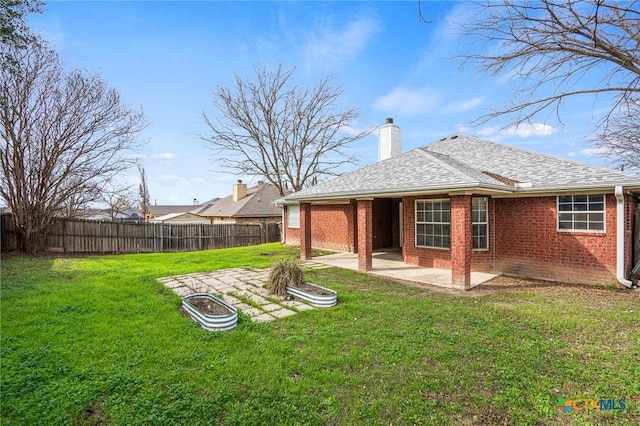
129 215
181 218
163 210
469 204
134 217
245 205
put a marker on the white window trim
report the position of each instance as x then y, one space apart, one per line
289 216
481 223
580 231
415 220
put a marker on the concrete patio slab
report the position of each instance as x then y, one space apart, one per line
391 265
271 307
263 318
281 313
183 291
236 283
294 304
249 310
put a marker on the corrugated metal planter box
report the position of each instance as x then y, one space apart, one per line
317 300
211 322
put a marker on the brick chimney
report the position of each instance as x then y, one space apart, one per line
389 140
239 190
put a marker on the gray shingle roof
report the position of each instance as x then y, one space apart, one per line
541 170
161 210
466 162
257 203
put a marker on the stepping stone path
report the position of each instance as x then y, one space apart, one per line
242 288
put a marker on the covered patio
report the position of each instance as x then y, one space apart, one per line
372 221
389 264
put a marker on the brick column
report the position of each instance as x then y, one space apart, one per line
461 241
305 231
353 225
365 235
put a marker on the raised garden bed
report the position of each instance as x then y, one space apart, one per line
212 313
318 296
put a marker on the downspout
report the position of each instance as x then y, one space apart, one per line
620 238
283 236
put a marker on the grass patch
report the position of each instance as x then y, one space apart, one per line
98 340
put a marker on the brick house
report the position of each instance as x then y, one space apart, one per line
468 204
185 217
244 206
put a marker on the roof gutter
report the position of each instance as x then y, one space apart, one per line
493 190
572 188
399 192
619 193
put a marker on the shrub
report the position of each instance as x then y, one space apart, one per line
284 272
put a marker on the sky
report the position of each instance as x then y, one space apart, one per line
167 58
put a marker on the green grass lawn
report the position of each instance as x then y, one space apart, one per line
98 340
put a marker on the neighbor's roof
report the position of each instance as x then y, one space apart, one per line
163 210
182 216
461 162
257 203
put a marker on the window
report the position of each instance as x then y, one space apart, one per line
293 216
433 223
480 211
581 212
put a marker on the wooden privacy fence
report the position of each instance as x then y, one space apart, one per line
82 236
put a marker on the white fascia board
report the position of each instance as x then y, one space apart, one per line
404 192
554 190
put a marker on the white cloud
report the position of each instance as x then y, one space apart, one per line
525 130
198 181
461 128
355 129
167 156
408 102
463 106
173 180
333 47
595 152
571 154
489 131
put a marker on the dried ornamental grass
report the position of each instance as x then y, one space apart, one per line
285 272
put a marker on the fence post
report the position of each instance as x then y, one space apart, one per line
64 235
262 233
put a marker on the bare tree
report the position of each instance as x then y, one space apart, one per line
290 135
621 139
119 198
63 136
143 192
561 49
